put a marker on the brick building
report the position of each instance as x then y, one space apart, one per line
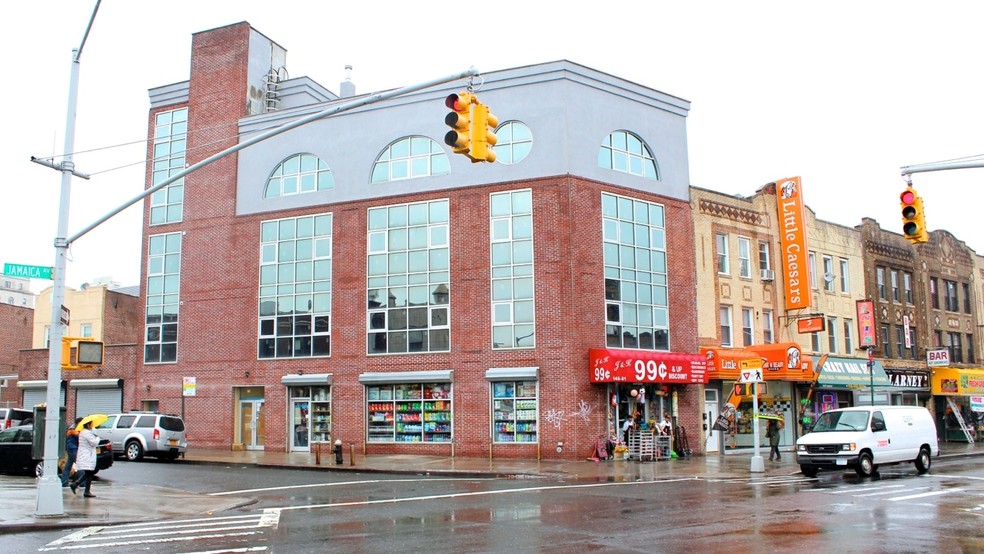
15 321
353 279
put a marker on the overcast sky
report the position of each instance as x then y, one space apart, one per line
840 93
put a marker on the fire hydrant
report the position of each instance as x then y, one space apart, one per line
337 449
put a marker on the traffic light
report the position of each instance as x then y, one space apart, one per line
483 136
460 121
913 217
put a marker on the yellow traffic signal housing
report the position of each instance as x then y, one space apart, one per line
89 353
460 121
913 217
483 135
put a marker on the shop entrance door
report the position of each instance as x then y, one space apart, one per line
713 443
301 425
251 424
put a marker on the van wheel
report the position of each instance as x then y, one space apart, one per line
865 467
923 461
133 451
809 470
39 469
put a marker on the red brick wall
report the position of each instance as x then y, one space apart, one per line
17 325
218 318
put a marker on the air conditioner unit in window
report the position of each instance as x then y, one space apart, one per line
768 275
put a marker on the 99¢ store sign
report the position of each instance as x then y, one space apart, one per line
608 365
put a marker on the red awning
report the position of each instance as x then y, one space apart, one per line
609 365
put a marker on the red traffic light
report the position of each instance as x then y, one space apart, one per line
908 197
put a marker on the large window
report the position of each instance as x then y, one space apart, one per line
894 275
624 151
513 142
170 142
163 298
514 411
880 280
950 303
636 289
725 317
511 230
956 350
765 262
907 286
299 174
848 336
409 278
295 287
934 292
768 332
410 412
747 327
409 158
744 257
721 249
845 276
832 335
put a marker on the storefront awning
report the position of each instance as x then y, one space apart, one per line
780 361
439 376
850 373
511 373
35 384
954 381
96 383
312 380
611 365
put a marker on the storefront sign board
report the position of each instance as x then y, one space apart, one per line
851 373
792 242
938 358
610 365
952 381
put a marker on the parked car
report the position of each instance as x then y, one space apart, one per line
864 438
12 417
138 434
16 452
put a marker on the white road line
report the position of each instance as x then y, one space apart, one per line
882 493
232 550
156 528
343 483
477 493
864 489
971 477
161 540
924 495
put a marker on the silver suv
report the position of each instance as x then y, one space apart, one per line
139 434
12 417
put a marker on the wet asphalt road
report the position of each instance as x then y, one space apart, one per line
304 511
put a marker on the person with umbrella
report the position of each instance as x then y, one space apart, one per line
85 460
71 450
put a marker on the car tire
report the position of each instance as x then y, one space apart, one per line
865 467
923 461
809 470
133 451
39 469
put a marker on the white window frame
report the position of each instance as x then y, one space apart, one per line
748 326
721 253
768 329
845 276
828 269
765 260
744 257
848 335
832 334
726 327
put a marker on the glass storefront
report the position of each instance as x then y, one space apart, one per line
310 416
409 412
514 411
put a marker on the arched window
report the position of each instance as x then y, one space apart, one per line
298 174
624 151
514 142
408 158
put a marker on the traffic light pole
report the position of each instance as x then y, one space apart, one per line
49 498
940 166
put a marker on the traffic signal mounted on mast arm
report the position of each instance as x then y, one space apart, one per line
460 121
483 137
913 217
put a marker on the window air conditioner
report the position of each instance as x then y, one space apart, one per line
768 275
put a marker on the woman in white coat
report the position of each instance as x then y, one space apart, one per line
85 460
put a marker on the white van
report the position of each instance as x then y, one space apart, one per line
864 438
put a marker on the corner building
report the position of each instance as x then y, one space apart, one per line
353 279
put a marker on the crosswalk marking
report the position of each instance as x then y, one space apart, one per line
161 532
924 495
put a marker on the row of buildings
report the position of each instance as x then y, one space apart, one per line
353 279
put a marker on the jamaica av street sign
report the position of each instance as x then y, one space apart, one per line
27 271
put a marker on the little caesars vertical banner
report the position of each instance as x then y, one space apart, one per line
792 241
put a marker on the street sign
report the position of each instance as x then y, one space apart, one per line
27 271
750 376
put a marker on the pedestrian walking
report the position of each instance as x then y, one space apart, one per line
772 431
85 460
71 450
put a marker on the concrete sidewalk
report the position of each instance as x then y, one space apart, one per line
117 504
